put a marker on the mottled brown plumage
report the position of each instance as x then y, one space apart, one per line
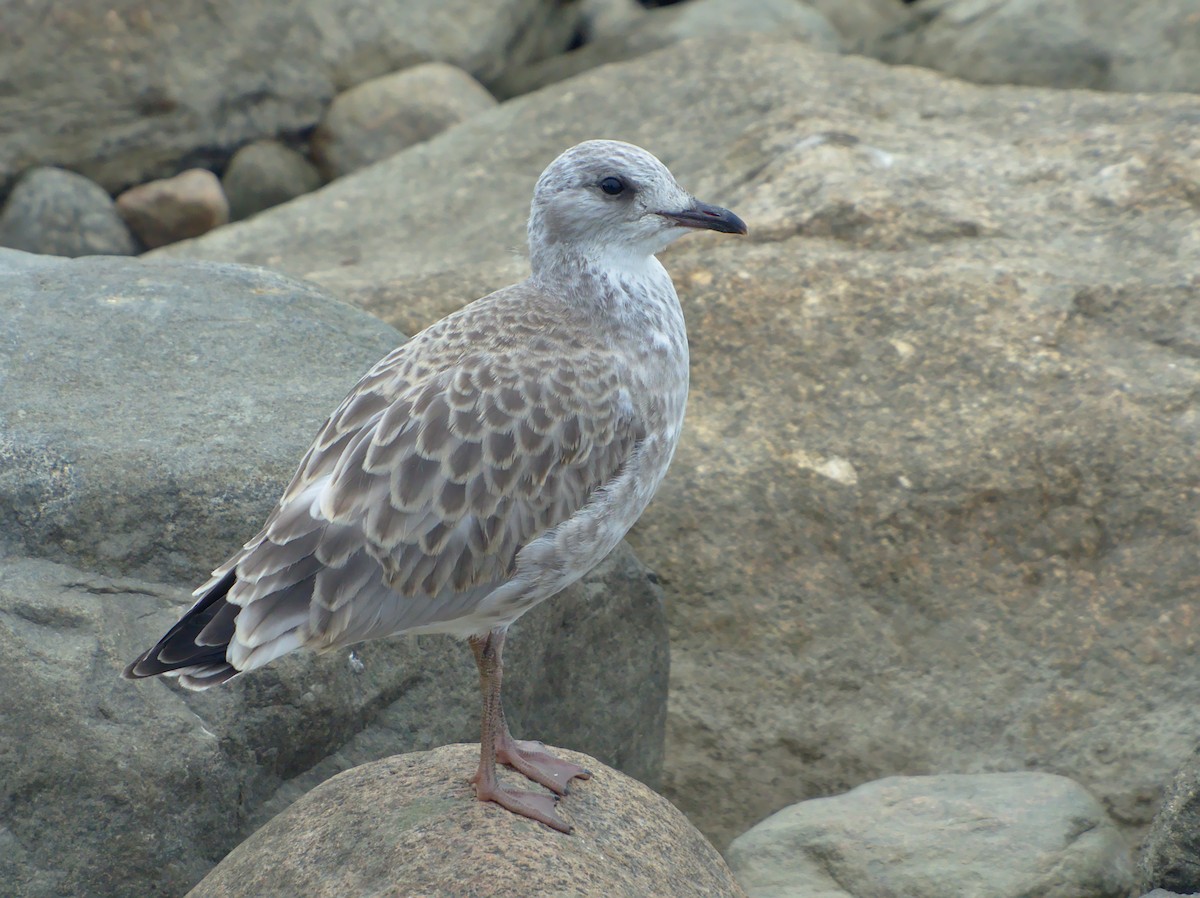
482 466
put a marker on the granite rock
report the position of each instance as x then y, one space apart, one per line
410 825
607 18
862 23
152 413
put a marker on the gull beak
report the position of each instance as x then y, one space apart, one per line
712 218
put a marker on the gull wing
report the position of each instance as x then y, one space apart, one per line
448 456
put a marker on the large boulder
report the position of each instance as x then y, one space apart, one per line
151 413
935 503
410 825
991 835
672 24
123 91
1099 44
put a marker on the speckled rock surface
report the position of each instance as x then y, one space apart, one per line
410 826
1170 856
605 18
153 412
861 23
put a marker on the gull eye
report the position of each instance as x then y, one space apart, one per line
613 186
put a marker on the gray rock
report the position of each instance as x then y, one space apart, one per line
107 789
150 413
1097 44
116 789
409 825
1170 857
780 19
264 174
607 18
188 205
934 507
380 117
63 214
124 94
1163 893
999 835
1034 42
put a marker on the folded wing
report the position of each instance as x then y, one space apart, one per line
411 505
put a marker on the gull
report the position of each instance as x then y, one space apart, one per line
482 466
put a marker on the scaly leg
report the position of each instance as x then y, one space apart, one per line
526 757
494 733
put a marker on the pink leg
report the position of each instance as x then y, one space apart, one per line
494 734
528 758
532 760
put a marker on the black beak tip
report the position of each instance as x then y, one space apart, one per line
710 218
736 225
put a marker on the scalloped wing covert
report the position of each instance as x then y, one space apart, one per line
422 487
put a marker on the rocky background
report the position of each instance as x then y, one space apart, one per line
927 556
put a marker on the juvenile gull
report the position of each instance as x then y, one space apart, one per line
483 466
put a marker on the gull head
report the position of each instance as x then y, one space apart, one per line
608 201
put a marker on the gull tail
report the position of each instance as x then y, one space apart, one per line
194 649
